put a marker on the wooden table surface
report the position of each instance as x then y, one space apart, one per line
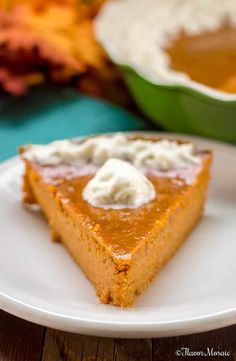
24 341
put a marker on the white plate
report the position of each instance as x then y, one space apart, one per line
195 292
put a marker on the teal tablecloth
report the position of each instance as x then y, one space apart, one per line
47 114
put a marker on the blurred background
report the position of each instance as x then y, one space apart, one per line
50 63
57 81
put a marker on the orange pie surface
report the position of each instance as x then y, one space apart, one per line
208 58
119 250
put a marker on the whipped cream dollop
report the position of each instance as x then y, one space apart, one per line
137 32
118 184
142 153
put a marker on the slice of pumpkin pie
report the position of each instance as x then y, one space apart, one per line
121 205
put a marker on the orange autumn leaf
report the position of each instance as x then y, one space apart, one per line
54 38
86 47
25 29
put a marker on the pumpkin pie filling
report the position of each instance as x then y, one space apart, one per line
173 42
208 58
119 250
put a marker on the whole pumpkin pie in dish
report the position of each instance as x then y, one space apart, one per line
121 205
172 42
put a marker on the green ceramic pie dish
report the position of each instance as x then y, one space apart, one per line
182 109
169 98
